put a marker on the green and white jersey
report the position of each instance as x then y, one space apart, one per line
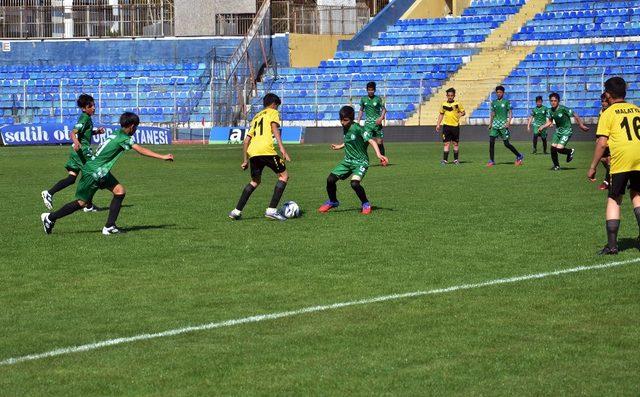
562 117
372 108
540 115
84 126
107 154
356 144
500 109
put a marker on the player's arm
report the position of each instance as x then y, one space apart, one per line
275 129
382 115
245 150
376 148
579 122
75 140
529 123
337 146
601 145
548 124
98 131
439 122
360 113
150 153
492 113
510 116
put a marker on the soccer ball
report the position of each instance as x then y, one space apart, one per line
290 209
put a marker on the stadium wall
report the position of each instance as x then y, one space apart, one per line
302 54
202 22
428 9
427 134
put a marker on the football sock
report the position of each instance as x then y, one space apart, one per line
509 146
357 187
445 155
66 209
554 156
62 183
455 154
636 211
277 193
564 150
535 142
332 188
612 232
114 209
244 197
544 144
492 147
381 146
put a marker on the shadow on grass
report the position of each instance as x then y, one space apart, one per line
136 228
628 244
106 208
358 209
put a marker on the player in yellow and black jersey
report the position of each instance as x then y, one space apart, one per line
258 152
450 113
618 129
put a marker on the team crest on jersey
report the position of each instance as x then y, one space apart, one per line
353 137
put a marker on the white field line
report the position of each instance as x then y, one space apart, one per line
312 309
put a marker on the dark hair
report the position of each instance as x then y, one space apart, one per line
453 90
603 96
127 119
500 88
538 98
616 87
347 112
554 95
371 84
84 100
270 99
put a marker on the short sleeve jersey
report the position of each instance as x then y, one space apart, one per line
372 108
261 134
500 109
107 154
540 115
84 126
621 124
356 144
451 112
562 117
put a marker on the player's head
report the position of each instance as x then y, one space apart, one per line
615 88
539 100
554 99
129 122
347 115
451 94
86 103
604 101
500 91
271 100
371 88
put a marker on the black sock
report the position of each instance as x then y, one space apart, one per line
445 155
332 188
535 142
244 197
544 144
114 209
612 232
554 156
277 193
66 209
381 146
62 183
511 147
636 211
455 154
564 150
492 148
357 187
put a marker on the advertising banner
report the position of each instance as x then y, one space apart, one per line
235 135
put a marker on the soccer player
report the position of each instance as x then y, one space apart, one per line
258 152
355 162
539 116
561 115
605 160
499 124
450 112
373 107
96 174
618 129
80 150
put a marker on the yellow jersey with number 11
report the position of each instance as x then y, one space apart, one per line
261 133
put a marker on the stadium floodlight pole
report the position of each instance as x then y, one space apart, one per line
61 105
528 88
564 85
602 78
316 100
420 102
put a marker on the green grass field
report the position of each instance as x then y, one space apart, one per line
183 262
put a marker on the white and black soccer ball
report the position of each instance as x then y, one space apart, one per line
290 209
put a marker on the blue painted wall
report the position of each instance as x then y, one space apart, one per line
388 16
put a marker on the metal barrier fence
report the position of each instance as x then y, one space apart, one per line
136 18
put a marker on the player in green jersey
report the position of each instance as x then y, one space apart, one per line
96 174
499 124
539 116
373 107
80 150
561 115
355 162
